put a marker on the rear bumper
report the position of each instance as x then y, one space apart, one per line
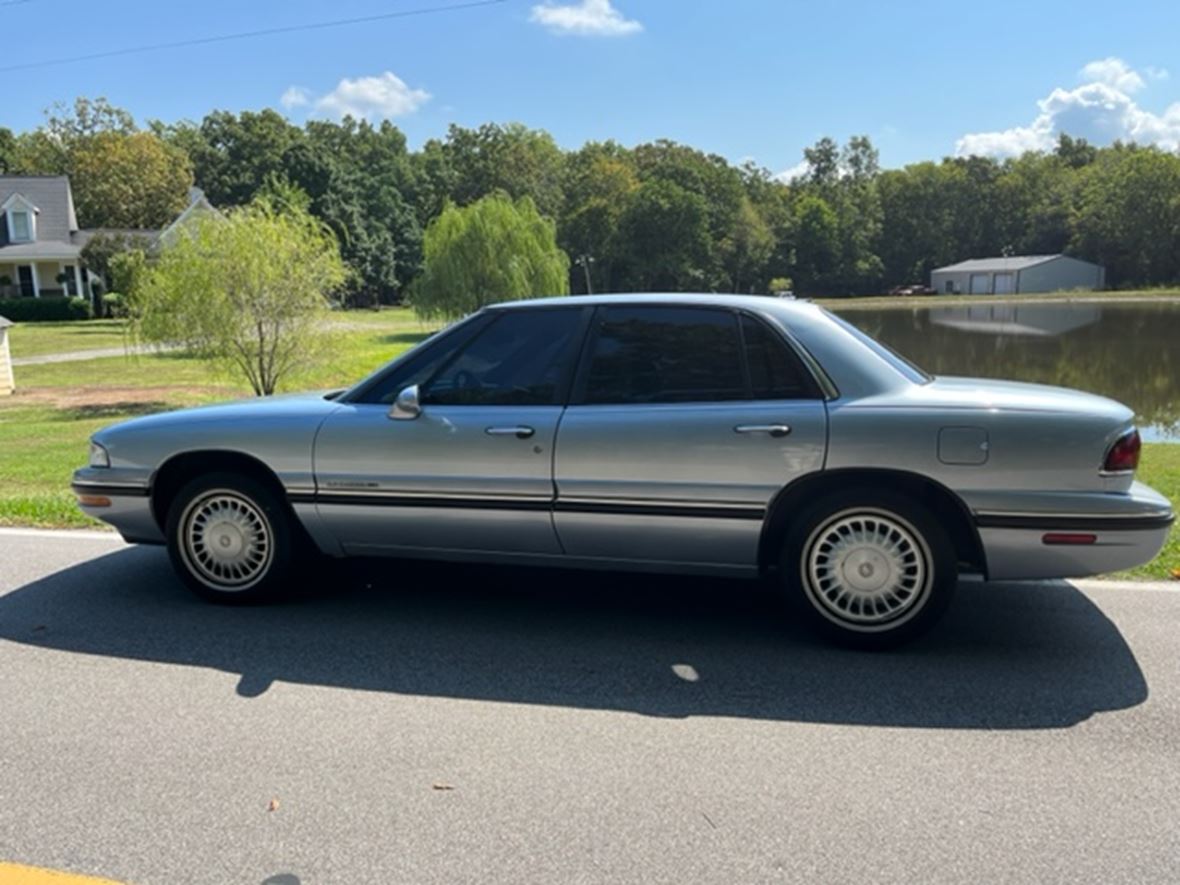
1075 535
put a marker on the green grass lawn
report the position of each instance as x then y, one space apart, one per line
1159 467
44 428
37 339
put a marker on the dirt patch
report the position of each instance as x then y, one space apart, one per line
99 402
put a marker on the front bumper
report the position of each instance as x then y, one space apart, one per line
119 500
1033 540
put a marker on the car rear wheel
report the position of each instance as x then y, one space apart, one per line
229 539
870 570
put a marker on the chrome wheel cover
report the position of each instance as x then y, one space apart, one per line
226 540
867 570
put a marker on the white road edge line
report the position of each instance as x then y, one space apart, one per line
1114 584
69 534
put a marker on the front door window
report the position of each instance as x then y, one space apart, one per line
521 359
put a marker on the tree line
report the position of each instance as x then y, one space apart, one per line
657 216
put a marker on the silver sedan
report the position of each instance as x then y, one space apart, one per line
705 434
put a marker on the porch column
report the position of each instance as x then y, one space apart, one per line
78 290
36 279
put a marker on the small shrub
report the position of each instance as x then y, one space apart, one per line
45 310
780 284
114 305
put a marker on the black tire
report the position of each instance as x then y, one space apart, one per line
869 569
239 547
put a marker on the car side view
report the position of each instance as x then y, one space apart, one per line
705 434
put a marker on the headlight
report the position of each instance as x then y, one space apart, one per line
99 456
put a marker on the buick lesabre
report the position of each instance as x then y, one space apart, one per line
704 434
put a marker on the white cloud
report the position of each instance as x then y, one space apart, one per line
1100 110
380 98
1115 73
294 97
797 171
595 18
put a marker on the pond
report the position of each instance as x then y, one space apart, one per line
1127 351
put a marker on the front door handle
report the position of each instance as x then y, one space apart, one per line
772 429
520 431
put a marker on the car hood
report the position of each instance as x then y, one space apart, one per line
985 393
283 408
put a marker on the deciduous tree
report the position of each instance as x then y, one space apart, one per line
248 291
134 181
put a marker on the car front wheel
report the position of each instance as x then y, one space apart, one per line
870 570
229 539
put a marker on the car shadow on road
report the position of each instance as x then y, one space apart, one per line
1007 656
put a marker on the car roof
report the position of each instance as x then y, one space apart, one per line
780 306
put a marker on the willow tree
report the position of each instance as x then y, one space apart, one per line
492 250
248 291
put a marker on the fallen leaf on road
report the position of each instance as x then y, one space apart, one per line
273 806
441 786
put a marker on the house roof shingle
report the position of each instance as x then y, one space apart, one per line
82 237
40 251
49 193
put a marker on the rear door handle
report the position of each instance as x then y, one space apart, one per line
772 429
520 431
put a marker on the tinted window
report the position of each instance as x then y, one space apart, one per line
665 355
775 371
422 363
520 359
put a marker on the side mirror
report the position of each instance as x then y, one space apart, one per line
407 406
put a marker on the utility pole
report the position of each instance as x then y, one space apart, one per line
585 261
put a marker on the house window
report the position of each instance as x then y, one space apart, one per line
21 228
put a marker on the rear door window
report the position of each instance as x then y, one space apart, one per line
652 354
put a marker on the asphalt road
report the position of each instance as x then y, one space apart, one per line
444 724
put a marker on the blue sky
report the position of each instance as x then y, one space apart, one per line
754 79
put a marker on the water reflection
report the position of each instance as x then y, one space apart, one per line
1130 352
1042 320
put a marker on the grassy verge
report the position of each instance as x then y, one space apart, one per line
1160 469
44 427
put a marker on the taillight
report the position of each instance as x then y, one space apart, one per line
1123 456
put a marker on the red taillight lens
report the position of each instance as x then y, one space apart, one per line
1123 456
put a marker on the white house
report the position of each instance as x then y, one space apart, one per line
41 244
39 240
